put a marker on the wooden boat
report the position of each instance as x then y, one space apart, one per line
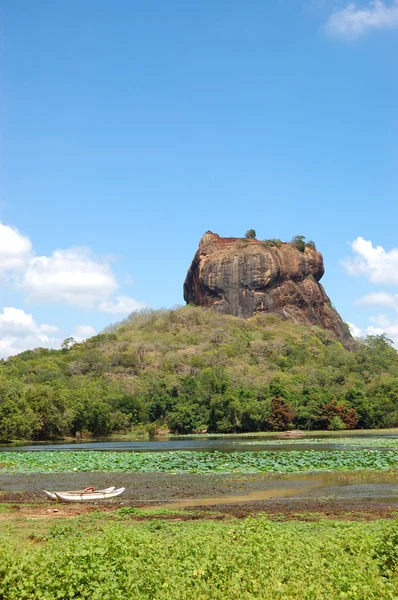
88 495
52 495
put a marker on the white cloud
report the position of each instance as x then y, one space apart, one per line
381 267
123 305
354 21
380 299
19 331
374 263
380 320
72 276
355 331
15 249
390 328
83 332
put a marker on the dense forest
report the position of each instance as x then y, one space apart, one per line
193 370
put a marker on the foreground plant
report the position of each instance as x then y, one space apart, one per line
254 558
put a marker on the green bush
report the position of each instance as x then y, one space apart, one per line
336 424
310 244
298 241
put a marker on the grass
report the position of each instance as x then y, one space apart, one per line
98 559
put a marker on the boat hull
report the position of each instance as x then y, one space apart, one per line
88 496
52 495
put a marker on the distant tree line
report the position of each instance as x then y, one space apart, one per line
192 370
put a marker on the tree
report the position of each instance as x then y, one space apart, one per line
68 343
333 409
281 414
250 234
298 241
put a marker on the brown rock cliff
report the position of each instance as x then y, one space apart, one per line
243 277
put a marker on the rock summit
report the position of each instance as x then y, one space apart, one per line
243 277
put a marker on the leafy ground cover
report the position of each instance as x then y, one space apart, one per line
253 558
198 462
367 442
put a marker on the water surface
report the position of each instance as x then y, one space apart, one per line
208 444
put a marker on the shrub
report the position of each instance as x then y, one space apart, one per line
298 241
273 242
250 234
336 424
311 244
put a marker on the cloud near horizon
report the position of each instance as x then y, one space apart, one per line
355 20
73 276
380 299
124 305
83 332
379 267
15 249
375 263
19 331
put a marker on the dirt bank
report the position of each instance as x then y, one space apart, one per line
331 494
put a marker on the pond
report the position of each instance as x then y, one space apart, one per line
225 443
353 468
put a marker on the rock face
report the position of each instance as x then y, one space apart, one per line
243 277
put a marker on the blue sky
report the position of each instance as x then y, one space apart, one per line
130 128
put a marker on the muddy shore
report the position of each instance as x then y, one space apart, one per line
239 495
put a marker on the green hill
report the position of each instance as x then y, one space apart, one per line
192 370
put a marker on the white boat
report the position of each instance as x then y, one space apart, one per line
52 495
87 496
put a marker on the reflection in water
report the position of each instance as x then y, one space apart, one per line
217 500
209 444
310 481
309 486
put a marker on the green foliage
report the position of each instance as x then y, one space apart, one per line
298 241
199 462
250 234
301 244
68 343
310 244
252 558
194 370
336 424
273 242
386 552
